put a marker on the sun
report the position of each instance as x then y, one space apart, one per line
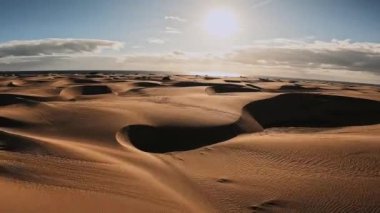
221 23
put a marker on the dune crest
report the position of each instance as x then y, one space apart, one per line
140 142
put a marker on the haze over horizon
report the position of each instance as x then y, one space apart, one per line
328 40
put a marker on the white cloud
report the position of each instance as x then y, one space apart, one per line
156 41
175 18
172 30
335 54
332 60
55 47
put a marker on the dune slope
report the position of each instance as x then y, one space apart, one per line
116 142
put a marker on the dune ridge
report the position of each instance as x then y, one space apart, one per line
85 142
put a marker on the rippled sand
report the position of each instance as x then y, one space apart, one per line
137 142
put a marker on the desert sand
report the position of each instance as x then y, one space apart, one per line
135 142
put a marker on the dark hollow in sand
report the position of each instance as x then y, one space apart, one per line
286 110
15 143
7 122
314 110
147 84
162 139
9 99
86 90
95 90
297 88
167 139
230 89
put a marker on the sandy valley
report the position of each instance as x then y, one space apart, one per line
136 142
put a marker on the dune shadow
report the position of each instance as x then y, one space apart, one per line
147 84
75 91
232 81
195 84
230 89
10 99
60 82
7 122
95 90
254 86
15 143
213 88
162 139
298 88
314 110
168 139
286 110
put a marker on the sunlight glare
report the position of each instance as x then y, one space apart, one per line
221 23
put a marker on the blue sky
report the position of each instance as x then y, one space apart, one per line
144 31
131 19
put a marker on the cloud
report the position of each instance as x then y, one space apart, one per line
175 18
341 60
156 41
55 47
172 30
335 54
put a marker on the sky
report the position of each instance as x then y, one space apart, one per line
324 39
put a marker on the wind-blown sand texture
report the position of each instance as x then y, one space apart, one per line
98 142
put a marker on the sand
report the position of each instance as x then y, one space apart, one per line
112 142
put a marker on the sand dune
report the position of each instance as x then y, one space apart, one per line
146 137
76 91
10 99
114 142
182 138
314 110
147 84
229 89
297 88
69 81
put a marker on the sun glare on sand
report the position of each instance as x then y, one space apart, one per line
221 23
